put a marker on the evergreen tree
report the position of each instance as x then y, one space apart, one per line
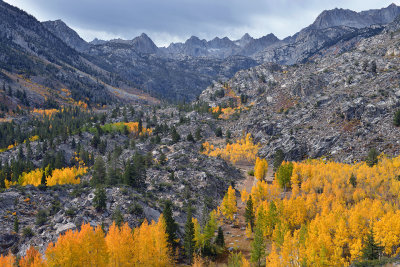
100 199
258 246
163 158
396 119
371 249
220 240
249 212
278 159
190 138
171 225
353 180
16 224
189 241
99 172
140 126
372 158
175 136
197 134
218 132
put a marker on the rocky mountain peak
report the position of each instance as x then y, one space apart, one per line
144 44
65 33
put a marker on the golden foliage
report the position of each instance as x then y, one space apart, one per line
45 112
228 205
68 175
243 150
32 259
7 261
327 216
260 168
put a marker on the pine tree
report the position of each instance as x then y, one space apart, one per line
220 240
171 225
371 249
100 199
175 136
353 180
189 242
249 212
99 172
16 224
190 138
278 159
372 158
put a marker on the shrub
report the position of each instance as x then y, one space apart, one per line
28 232
41 217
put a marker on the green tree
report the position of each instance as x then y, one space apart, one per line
249 212
278 159
100 199
218 132
258 246
396 119
197 134
171 225
162 159
190 138
189 242
117 217
284 174
372 158
371 249
220 240
99 172
353 180
175 135
16 224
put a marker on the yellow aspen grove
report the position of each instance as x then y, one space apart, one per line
244 196
260 168
331 210
228 205
7 261
151 245
68 175
84 248
32 259
243 150
120 245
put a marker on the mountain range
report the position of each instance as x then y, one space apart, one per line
54 56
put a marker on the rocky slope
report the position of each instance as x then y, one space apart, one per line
338 106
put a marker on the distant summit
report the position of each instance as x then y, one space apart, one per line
68 35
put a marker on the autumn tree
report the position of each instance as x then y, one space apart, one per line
228 205
260 168
284 174
120 245
32 258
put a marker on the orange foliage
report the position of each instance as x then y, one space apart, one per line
32 259
7 261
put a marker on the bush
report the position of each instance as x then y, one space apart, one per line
136 209
250 172
41 217
28 232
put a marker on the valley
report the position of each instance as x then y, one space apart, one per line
248 152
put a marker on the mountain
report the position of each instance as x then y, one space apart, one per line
39 63
69 36
338 107
339 28
349 18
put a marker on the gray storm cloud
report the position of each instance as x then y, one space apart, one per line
168 21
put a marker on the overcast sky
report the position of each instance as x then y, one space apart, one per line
167 21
